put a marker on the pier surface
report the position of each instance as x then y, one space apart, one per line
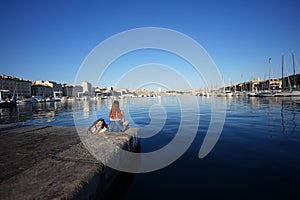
51 162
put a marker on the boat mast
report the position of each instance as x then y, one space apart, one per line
282 79
293 57
270 73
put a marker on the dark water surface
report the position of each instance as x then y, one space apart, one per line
256 157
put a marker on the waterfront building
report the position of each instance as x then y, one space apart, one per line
16 86
254 84
41 90
71 90
272 84
87 88
291 82
56 87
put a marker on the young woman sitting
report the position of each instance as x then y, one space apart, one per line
117 119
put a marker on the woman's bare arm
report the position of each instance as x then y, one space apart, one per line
123 117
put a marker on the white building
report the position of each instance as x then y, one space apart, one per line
87 88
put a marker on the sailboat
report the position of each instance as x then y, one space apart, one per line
225 93
294 92
268 92
292 89
252 93
283 93
206 93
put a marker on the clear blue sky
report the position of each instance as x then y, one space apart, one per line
49 40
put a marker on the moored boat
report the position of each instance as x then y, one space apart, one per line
290 91
228 93
6 101
252 94
57 99
50 100
294 93
206 94
266 93
221 95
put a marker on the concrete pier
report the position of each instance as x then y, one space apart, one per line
51 162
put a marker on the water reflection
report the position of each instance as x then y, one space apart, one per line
290 115
281 114
24 112
278 115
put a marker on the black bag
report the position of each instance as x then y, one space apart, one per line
98 126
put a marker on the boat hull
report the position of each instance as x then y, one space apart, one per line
266 95
288 94
252 94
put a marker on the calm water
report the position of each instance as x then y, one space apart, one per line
257 155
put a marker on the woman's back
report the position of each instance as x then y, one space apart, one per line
115 112
116 116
